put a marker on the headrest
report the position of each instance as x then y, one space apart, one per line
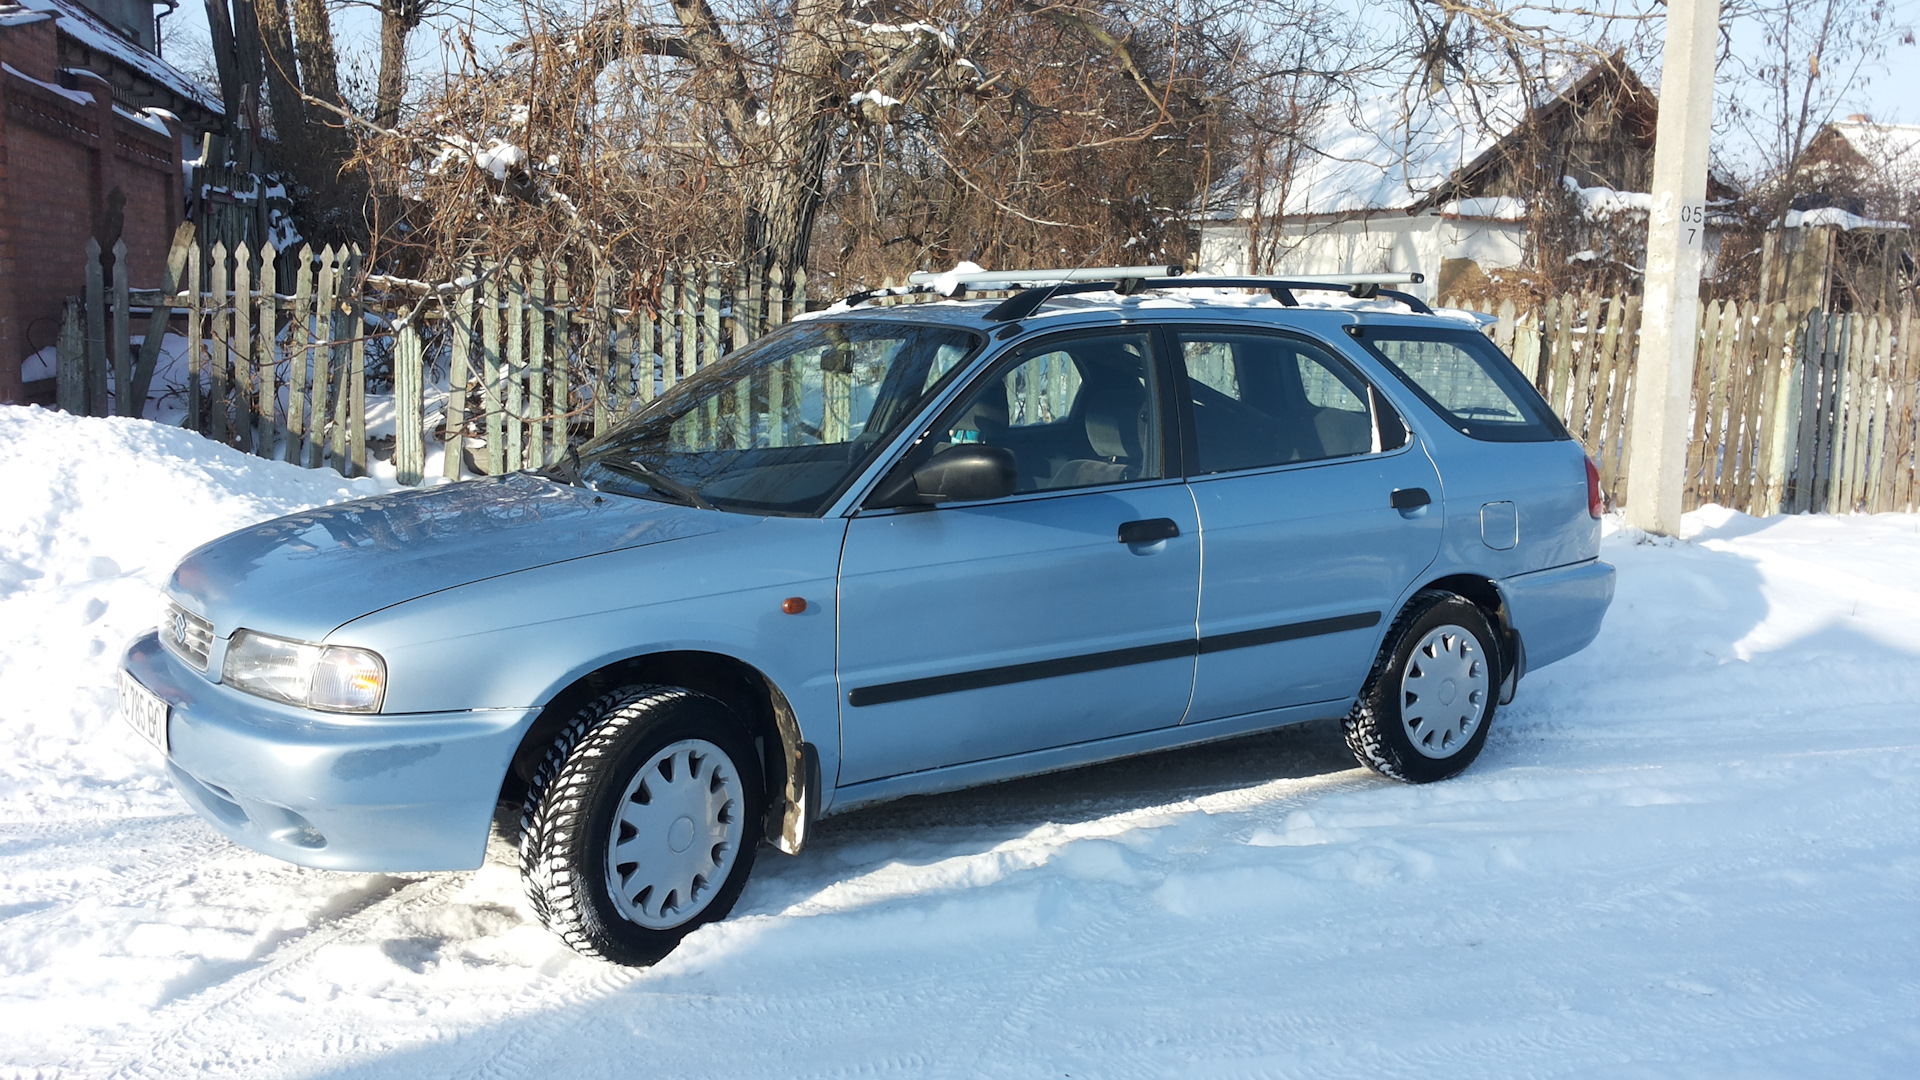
987 414
1114 413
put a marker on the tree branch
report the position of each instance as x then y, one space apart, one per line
1120 50
708 48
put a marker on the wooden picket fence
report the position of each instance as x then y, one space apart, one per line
1792 412
289 351
287 374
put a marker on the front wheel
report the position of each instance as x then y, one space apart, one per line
1424 712
640 824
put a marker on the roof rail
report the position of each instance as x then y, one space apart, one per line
1358 286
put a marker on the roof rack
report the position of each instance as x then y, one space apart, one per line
1039 286
1358 286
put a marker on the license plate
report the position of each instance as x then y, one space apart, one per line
145 710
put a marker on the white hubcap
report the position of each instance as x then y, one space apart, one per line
1443 694
676 835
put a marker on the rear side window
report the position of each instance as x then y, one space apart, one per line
1466 379
1257 400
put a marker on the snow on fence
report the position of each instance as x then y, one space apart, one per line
304 374
1792 412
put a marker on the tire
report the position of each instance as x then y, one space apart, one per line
1429 700
663 775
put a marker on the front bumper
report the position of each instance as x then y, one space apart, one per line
393 793
1557 612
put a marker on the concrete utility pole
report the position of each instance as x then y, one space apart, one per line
1676 245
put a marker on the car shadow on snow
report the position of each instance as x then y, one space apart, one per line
1095 791
923 830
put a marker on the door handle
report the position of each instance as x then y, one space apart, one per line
1152 530
1410 498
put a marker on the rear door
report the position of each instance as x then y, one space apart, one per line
979 630
1296 465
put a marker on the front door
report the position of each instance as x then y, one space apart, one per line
979 630
1294 464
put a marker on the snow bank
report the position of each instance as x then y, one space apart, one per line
93 515
1689 850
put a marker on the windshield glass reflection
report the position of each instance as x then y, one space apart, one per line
782 425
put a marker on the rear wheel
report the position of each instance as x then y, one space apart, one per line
1424 712
640 824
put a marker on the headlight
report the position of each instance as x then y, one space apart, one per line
331 677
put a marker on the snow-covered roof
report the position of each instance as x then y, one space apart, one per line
12 14
78 97
1399 148
1835 217
1486 207
88 29
1881 145
1391 150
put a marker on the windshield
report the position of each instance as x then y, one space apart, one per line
782 425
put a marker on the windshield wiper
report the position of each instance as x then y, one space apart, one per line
567 470
660 482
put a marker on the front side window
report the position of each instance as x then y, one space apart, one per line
1466 379
1261 399
1077 413
780 426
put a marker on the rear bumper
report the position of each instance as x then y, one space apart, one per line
1557 612
393 793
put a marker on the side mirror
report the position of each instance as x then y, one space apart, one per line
964 473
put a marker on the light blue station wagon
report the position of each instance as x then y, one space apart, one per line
884 551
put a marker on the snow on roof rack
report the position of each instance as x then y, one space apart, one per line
1000 279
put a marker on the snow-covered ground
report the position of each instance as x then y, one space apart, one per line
1691 850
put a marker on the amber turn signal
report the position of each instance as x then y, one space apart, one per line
793 605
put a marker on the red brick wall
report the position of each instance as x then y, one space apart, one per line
49 210
154 203
58 161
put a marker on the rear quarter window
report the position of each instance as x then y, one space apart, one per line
1466 379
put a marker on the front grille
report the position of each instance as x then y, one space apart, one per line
187 635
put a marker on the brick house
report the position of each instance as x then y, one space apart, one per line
93 125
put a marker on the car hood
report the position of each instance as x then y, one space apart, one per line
306 574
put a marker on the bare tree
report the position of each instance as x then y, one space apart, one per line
1412 73
1002 129
780 86
1814 59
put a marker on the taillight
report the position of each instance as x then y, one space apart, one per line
1596 502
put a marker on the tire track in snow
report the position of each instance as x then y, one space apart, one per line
997 1034
549 1009
180 1038
154 871
545 1009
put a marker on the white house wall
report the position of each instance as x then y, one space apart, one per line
1390 241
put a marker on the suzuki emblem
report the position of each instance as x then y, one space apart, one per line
179 628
